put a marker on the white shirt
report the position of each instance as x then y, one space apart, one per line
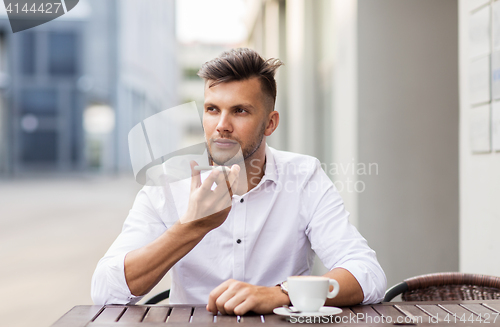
294 212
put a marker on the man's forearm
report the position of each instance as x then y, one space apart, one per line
146 266
350 292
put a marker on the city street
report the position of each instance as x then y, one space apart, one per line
53 231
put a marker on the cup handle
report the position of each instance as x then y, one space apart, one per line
335 290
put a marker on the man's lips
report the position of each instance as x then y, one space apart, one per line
224 143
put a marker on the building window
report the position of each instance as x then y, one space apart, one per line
39 101
62 53
39 146
27 53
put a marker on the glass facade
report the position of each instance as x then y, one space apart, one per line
47 111
27 49
62 54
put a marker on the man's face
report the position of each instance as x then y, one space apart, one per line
234 116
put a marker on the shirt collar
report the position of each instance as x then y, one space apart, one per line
270 173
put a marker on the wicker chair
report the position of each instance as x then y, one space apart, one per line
448 286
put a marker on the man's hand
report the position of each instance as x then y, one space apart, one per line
208 209
209 206
237 298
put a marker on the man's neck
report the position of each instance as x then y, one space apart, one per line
254 169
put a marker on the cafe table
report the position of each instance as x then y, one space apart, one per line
424 313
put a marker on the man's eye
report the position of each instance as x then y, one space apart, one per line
240 110
211 109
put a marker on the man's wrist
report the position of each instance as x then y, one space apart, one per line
284 287
282 297
191 230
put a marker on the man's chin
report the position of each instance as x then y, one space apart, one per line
226 159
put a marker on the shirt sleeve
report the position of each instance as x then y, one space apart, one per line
337 243
142 226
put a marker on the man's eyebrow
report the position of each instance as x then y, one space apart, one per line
241 105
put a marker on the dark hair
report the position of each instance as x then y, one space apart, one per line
241 64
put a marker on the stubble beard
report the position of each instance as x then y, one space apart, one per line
248 151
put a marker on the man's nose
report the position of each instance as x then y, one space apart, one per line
224 125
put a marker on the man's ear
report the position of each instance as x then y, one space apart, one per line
272 124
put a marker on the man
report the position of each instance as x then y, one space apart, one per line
233 249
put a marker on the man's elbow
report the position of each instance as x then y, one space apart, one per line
98 291
378 287
106 288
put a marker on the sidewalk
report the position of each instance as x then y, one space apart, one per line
53 231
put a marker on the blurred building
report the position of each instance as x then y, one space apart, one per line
371 88
72 88
41 104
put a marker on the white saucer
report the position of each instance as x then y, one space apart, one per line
323 311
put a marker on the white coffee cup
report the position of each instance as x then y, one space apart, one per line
309 293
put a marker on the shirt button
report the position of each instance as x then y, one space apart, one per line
238 241
242 200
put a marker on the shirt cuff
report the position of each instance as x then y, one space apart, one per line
119 292
373 287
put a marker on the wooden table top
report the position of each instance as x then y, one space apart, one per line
436 314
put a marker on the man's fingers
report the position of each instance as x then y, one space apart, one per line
229 181
221 302
195 176
214 295
231 304
228 300
243 307
233 297
232 179
213 177
228 184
